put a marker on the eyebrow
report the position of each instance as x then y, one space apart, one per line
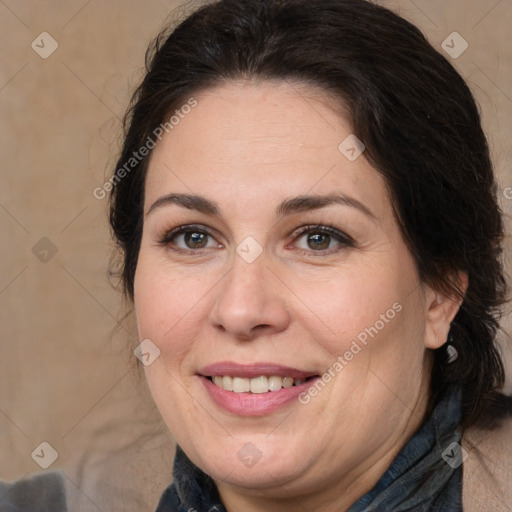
287 207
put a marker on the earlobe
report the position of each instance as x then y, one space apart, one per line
441 310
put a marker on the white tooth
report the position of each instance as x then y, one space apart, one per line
227 383
275 383
217 380
287 382
241 385
298 381
259 384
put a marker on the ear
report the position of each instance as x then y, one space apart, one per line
441 310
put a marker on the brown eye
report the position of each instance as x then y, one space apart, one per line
195 239
188 238
318 241
321 240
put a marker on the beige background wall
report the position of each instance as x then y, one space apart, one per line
65 364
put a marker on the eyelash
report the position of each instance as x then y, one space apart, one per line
342 239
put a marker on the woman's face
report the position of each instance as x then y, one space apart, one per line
289 263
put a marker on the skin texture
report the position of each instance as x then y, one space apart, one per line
248 147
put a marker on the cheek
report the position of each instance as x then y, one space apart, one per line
348 305
371 322
167 309
166 306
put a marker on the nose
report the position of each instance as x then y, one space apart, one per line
250 301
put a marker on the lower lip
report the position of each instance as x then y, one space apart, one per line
254 404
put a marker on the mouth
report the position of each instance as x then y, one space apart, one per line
254 390
257 385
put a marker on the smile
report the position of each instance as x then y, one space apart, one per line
261 384
256 389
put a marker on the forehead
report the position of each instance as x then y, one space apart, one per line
261 140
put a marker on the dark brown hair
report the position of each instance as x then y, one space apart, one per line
410 107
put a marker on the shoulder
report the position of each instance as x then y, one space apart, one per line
38 492
487 470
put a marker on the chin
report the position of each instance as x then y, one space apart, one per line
254 462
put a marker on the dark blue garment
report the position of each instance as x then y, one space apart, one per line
426 476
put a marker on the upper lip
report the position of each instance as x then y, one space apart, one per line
253 370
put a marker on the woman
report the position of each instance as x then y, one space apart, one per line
306 210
